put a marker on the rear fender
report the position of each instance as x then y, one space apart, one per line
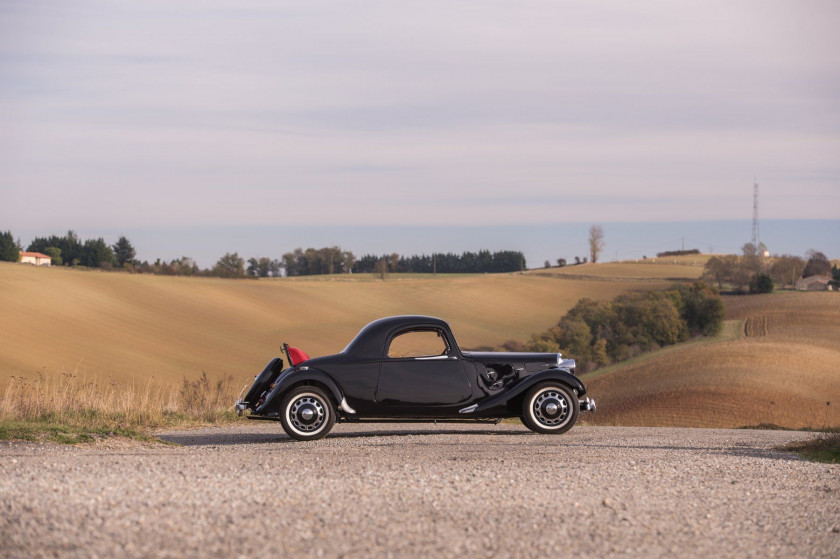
293 377
498 405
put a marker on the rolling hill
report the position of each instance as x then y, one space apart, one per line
100 324
777 363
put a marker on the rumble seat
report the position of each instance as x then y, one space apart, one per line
297 356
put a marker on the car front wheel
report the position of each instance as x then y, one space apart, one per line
550 408
308 413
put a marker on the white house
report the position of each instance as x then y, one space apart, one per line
35 258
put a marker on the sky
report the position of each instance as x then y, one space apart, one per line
168 119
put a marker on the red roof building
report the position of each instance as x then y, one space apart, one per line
35 258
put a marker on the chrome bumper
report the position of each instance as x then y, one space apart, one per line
587 405
239 407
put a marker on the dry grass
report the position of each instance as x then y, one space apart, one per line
69 408
784 372
134 327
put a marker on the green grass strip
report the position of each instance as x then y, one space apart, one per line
824 448
54 431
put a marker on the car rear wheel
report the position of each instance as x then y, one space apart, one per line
550 408
308 413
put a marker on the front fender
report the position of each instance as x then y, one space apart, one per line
497 405
292 377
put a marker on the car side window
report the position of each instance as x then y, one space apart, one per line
418 343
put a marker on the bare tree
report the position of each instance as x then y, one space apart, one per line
380 269
596 242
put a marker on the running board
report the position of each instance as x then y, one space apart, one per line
385 420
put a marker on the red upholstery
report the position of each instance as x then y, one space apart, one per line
297 356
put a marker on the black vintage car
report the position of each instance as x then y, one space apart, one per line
410 369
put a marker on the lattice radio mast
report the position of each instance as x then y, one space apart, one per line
756 236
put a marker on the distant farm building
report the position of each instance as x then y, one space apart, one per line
814 283
35 258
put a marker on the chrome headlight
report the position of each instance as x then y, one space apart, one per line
567 364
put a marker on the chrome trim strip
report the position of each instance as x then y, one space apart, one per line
468 409
431 358
345 406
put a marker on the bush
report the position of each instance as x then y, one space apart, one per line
678 253
55 255
761 283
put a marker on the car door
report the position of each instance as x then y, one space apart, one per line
421 375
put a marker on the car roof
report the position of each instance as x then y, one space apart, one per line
370 341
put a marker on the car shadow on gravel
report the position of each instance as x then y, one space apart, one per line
227 439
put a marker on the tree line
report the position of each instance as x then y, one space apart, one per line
70 250
479 262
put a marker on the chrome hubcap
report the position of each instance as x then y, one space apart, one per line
551 408
307 414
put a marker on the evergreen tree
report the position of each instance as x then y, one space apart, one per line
97 254
761 283
9 249
124 253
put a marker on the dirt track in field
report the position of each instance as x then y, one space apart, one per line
756 326
420 491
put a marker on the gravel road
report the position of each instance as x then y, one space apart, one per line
421 491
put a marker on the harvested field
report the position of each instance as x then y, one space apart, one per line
783 371
791 316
